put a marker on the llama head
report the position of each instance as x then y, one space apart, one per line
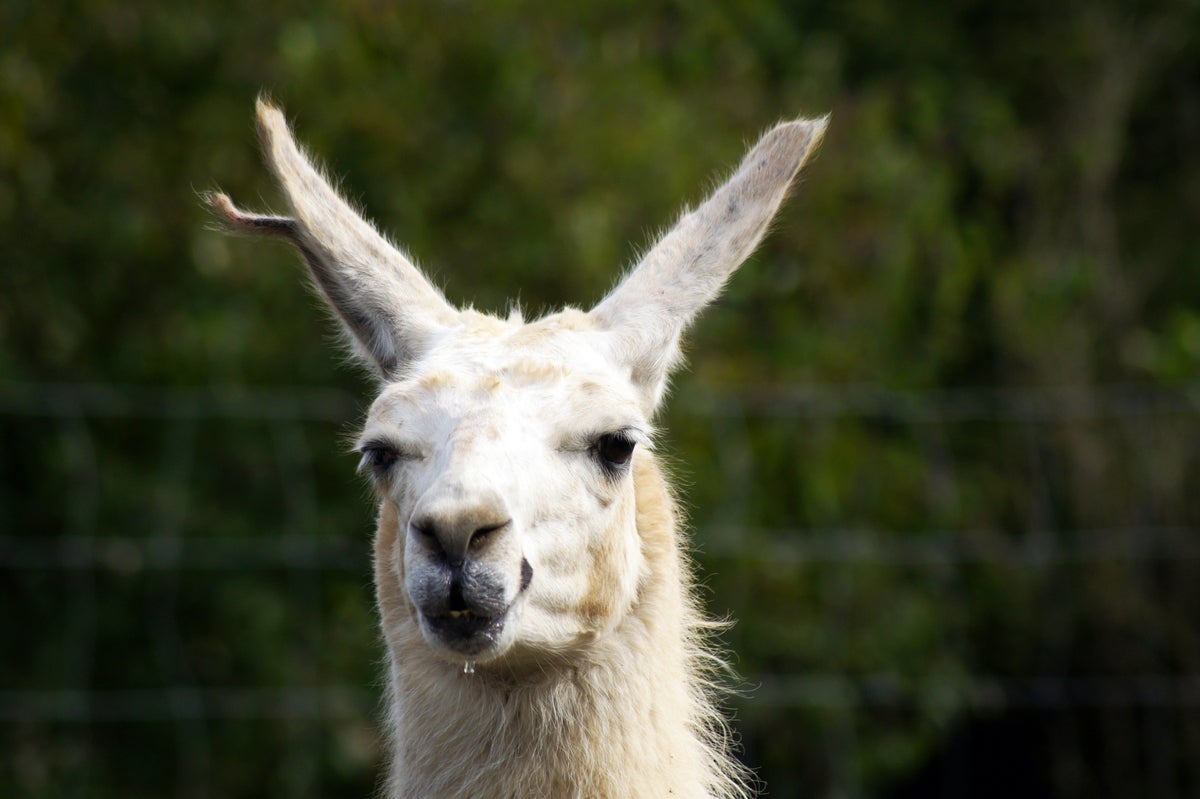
506 450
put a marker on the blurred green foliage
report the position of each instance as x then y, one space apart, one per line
1005 203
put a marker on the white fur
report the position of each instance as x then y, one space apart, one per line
516 536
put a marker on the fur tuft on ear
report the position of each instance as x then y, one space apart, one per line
240 223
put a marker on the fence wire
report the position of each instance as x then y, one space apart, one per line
141 604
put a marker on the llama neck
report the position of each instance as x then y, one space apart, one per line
632 720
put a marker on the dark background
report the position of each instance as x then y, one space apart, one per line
939 438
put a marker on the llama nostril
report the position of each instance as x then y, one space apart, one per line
422 529
445 524
483 534
426 532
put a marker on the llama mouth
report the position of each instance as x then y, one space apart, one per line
465 632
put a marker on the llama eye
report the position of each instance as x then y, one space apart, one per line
614 449
378 458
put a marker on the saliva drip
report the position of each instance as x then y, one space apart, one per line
469 667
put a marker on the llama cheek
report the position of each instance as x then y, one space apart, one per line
608 594
598 607
389 567
389 548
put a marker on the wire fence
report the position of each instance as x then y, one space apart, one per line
188 581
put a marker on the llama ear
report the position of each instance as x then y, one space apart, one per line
649 310
383 301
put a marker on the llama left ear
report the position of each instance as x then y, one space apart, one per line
388 308
649 310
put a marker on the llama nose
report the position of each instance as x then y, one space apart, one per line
453 525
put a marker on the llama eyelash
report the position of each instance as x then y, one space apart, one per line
379 456
586 441
614 453
377 459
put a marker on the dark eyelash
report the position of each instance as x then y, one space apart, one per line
381 456
614 451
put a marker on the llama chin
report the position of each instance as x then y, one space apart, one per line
535 598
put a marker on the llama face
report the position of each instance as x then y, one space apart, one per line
503 452
508 453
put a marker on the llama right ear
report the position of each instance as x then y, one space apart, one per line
383 301
647 313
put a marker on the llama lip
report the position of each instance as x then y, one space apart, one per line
465 632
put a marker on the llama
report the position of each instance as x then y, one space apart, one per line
536 603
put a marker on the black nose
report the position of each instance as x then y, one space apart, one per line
441 587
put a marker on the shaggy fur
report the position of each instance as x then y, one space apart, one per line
538 610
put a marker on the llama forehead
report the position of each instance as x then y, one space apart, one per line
556 370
